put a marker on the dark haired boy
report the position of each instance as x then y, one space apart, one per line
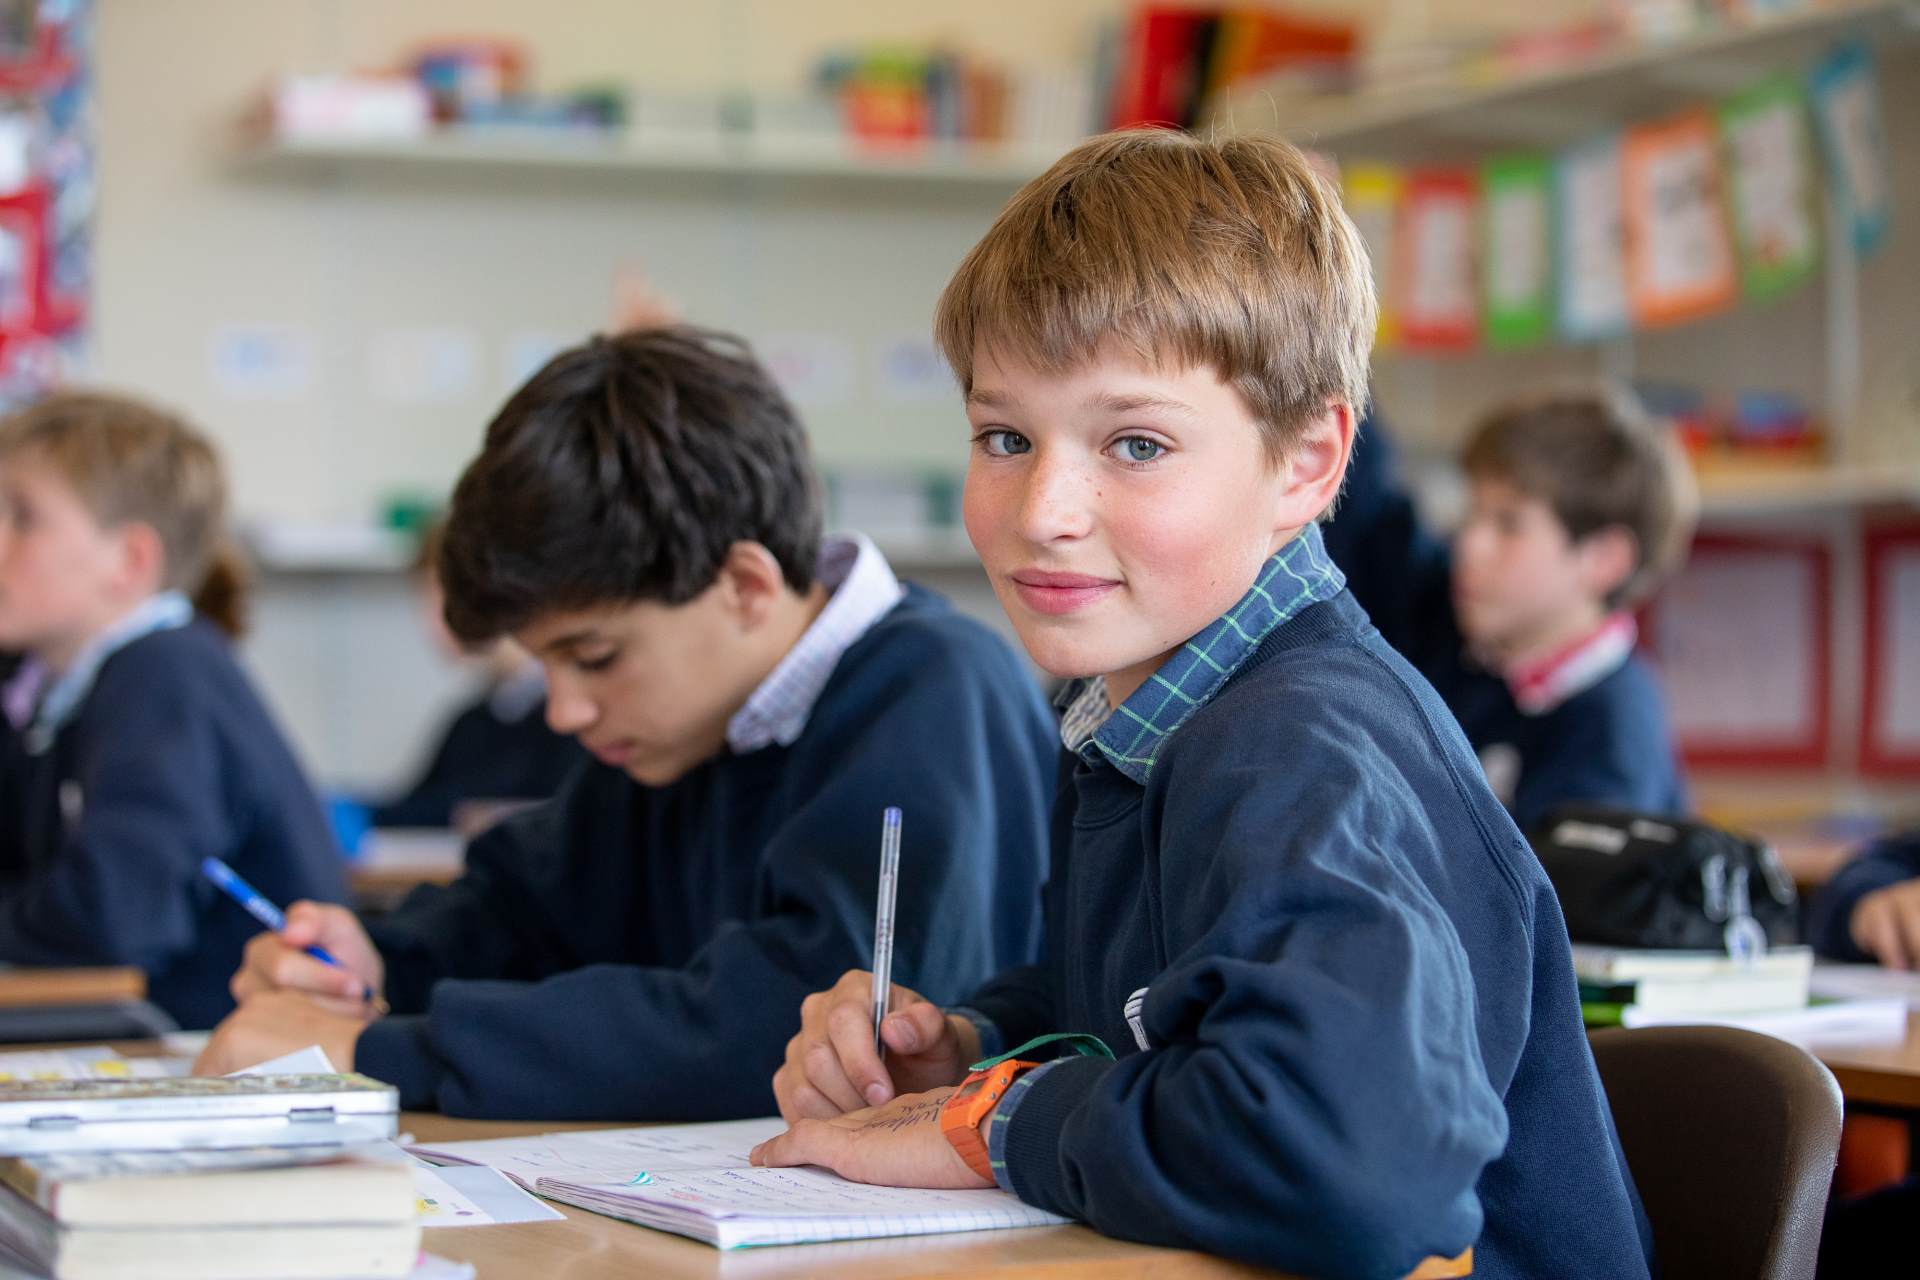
643 518
1580 507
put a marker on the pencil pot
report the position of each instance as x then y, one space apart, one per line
1629 879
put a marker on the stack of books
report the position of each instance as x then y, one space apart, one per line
261 1177
1626 987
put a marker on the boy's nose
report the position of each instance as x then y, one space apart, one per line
568 712
1055 503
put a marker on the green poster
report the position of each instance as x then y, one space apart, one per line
1517 249
1770 170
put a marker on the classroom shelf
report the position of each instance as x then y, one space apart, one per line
1791 490
1563 105
301 548
509 154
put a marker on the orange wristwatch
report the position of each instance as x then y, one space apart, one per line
969 1106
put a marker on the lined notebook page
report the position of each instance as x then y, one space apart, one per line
734 1208
694 1179
611 1155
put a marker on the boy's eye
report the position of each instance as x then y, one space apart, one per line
1002 443
1136 449
598 662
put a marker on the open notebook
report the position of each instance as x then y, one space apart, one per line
694 1180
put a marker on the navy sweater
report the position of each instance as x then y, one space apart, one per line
170 757
1830 918
1608 744
1365 1037
483 757
626 951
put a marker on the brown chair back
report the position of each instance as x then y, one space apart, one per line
1732 1138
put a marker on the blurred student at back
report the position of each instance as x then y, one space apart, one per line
1870 911
499 747
1580 508
133 745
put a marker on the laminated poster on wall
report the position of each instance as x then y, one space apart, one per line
1730 701
1680 260
1769 165
22 262
1890 727
262 362
1436 298
1516 251
1371 193
1846 105
909 369
423 366
814 369
1591 250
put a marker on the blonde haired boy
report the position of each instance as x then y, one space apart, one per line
1325 1009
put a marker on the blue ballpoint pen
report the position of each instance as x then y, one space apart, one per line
229 882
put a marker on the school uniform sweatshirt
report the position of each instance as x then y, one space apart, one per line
487 752
636 952
1606 741
170 757
1337 980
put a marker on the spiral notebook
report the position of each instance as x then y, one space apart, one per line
694 1180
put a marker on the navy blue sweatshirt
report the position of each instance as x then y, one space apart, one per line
626 951
171 757
1608 744
1364 1037
1879 865
482 756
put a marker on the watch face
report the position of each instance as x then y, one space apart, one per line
970 1086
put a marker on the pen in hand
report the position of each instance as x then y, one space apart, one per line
883 923
229 882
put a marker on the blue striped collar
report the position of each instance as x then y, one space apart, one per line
1131 735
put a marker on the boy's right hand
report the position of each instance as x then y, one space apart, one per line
1886 925
831 1067
279 961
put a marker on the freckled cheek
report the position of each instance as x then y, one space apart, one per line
988 507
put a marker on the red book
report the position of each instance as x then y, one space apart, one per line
1157 76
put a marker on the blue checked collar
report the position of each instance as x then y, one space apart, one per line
1131 735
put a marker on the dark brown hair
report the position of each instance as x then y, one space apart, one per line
1597 460
130 461
624 471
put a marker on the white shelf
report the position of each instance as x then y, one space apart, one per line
299 547
498 153
1556 107
293 548
1792 490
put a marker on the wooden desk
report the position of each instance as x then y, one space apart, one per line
39 988
1882 1075
393 861
588 1246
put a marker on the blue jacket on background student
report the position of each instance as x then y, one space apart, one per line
608 954
106 811
1880 865
1604 741
498 747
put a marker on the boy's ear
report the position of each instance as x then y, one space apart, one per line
141 559
1316 463
751 583
1608 556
